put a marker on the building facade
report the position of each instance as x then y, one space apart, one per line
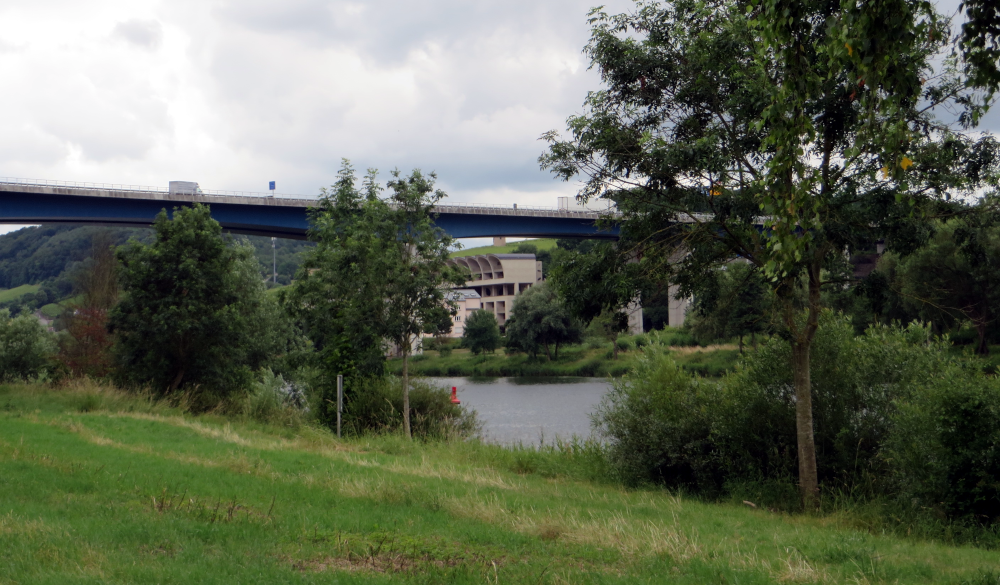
497 279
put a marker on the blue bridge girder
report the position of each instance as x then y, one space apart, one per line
261 215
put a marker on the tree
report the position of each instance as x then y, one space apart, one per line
540 321
25 347
86 347
956 276
379 273
190 305
598 281
482 333
414 266
734 302
783 132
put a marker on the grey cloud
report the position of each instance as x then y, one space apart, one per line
147 34
386 30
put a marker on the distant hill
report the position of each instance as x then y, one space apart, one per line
542 245
37 263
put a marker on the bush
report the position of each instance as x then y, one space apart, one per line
376 405
273 400
677 337
894 414
25 348
624 344
856 385
944 448
658 422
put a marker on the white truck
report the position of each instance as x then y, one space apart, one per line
184 188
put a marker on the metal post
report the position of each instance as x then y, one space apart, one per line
340 400
274 260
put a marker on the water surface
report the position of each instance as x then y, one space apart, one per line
531 410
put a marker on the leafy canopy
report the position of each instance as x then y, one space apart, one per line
193 312
539 321
481 333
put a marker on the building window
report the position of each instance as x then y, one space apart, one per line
458 318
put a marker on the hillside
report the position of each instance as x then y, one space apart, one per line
99 487
37 263
541 244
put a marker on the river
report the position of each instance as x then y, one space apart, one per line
530 410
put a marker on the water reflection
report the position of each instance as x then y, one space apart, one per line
531 410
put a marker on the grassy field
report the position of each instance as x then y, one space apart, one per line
541 244
96 487
579 360
13 293
52 310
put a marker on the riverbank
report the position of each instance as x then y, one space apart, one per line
579 360
101 487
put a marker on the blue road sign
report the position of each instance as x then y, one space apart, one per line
271 185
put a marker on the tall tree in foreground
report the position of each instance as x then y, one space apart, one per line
785 132
190 305
378 274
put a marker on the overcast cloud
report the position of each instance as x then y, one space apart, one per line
236 93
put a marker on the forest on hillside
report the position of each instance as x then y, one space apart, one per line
49 255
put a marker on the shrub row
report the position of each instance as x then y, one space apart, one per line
895 414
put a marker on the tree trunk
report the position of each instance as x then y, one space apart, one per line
548 353
741 345
982 348
177 380
406 391
808 478
802 338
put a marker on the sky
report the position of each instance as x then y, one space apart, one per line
236 93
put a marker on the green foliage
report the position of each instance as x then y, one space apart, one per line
194 314
273 400
944 448
952 278
482 333
856 383
821 120
897 416
540 321
677 337
376 406
26 348
658 422
379 273
36 254
734 301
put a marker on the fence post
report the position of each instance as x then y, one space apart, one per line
340 400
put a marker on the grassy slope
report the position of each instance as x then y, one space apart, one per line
17 292
541 244
573 361
96 488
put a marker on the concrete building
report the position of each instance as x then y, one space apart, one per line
467 301
497 279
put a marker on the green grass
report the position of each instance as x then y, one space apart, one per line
541 244
98 487
17 292
52 310
578 360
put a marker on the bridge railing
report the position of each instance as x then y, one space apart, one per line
454 206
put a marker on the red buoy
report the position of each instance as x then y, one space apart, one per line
454 396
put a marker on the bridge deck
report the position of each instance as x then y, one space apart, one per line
32 202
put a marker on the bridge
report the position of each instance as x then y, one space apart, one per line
24 201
